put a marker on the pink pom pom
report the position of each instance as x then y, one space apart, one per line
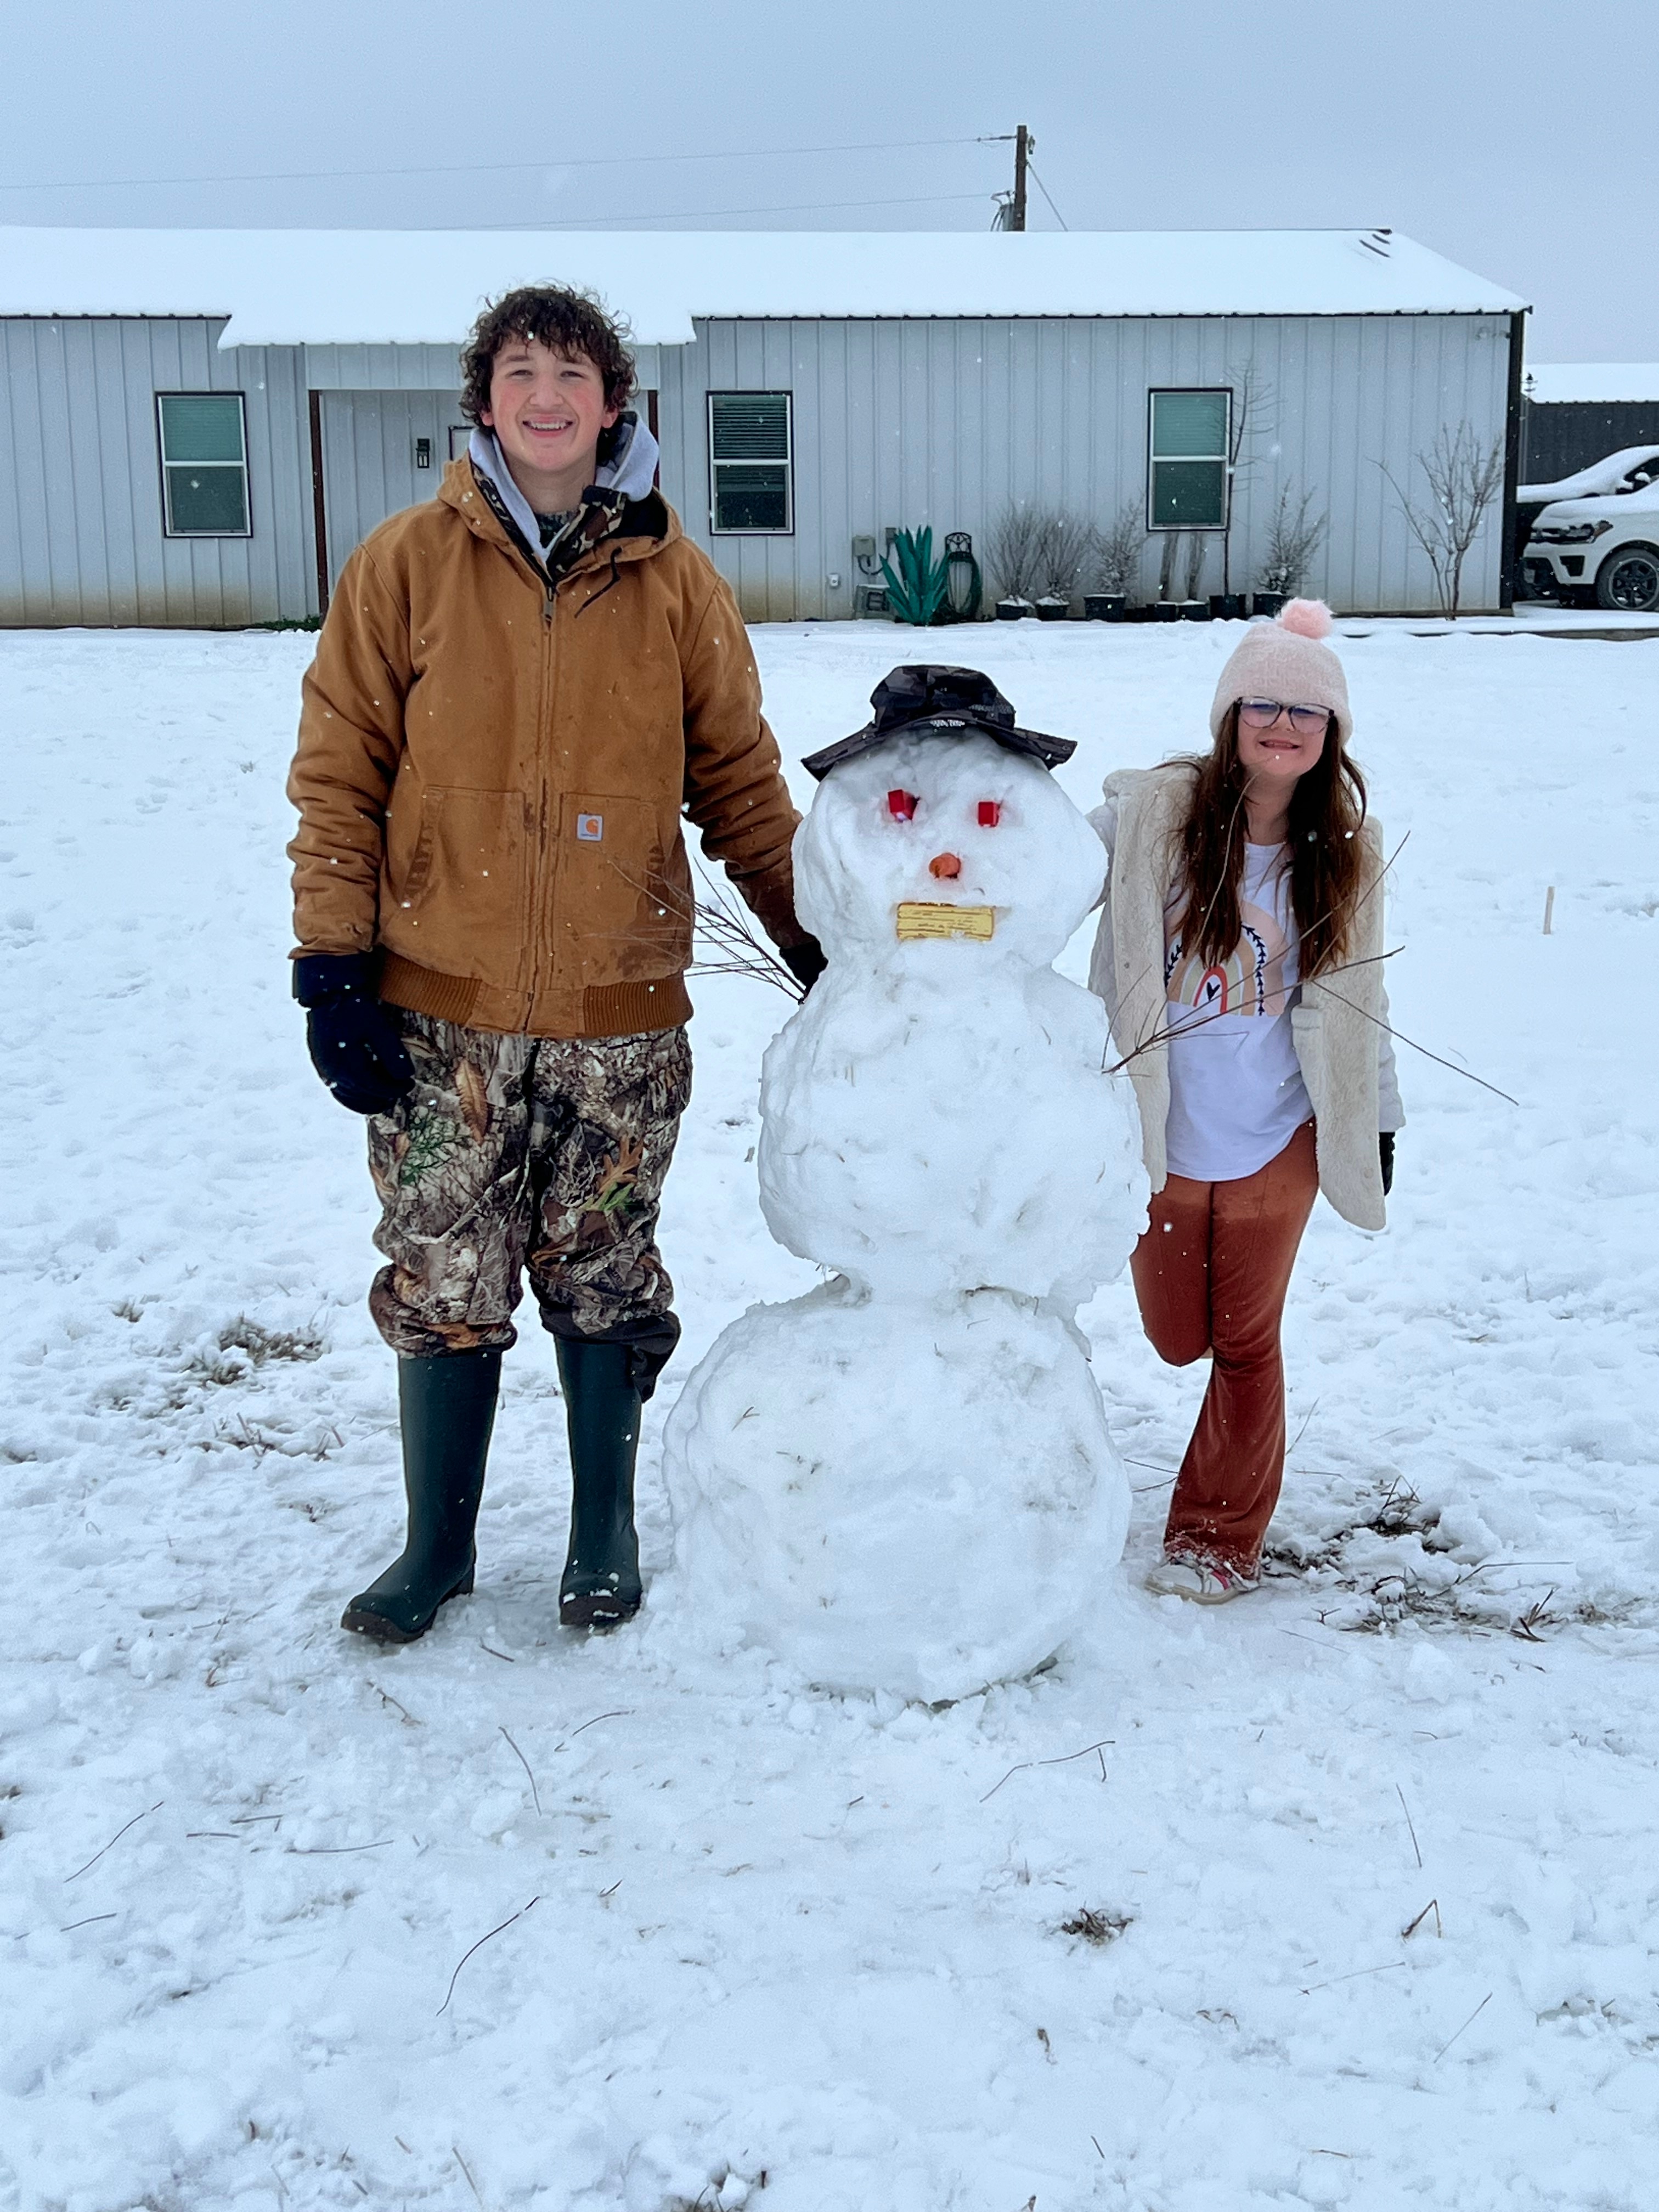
1306 618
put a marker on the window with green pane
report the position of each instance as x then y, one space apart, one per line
204 464
1186 463
750 463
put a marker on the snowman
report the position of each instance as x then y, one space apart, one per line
902 1481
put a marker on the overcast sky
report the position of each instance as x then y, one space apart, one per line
1521 140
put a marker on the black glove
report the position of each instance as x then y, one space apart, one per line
805 962
356 1043
1385 1154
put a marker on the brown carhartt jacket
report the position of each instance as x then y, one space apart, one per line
491 771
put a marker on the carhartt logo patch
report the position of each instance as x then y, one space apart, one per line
590 827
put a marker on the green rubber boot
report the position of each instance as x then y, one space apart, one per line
446 1408
601 1585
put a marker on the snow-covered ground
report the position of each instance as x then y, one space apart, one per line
1130 1935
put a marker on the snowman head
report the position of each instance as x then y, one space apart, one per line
938 843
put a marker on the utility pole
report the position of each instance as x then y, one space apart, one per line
1011 206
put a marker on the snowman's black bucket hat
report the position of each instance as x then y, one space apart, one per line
948 703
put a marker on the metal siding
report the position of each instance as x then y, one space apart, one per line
1558 437
896 423
369 460
945 422
382 367
82 537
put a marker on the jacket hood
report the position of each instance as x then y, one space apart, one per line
626 480
630 471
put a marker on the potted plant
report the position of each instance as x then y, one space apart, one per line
1116 560
1228 606
1293 539
1010 546
1062 549
917 587
1189 606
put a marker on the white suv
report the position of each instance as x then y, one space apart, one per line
1597 535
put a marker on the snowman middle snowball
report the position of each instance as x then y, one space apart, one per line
902 1481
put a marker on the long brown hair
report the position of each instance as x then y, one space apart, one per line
1327 865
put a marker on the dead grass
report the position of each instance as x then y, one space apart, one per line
1093 1925
261 1343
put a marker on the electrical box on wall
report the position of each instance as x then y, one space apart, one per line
424 453
864 549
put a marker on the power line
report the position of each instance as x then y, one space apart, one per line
486 168
700 214
1047 195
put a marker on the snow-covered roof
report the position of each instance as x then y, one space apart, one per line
424 287
1599 381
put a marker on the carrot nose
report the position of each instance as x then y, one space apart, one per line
944 865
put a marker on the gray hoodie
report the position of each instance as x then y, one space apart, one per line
628 475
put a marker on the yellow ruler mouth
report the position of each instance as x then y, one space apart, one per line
938 918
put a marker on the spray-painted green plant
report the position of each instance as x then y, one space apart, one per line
918 592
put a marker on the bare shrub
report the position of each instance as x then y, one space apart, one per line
1037 550
1062 550
1464 477
1293 538
1013 545
1116 550
1198 545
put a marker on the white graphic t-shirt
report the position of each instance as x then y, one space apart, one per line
1236 1096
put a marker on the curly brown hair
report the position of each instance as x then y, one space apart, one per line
566 321
1327 867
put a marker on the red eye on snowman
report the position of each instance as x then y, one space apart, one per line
901 805
990 813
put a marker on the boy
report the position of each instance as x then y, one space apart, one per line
520 686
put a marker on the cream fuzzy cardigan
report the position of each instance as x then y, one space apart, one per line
1347 1056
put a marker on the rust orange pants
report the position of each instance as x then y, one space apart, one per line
1211 1274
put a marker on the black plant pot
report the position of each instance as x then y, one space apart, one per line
1139 614
1268 602
1195 610
1166 610
1105 606
1050 608
1227 606
1013 609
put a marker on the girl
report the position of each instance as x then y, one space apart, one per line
1239 956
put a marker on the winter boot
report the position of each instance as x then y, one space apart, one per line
447 1406
601 1585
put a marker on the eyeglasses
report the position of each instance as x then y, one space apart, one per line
1262 714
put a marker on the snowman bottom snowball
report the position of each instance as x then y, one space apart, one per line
922 1504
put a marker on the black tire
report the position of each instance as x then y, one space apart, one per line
1627 582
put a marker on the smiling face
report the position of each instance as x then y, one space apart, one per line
1273 758
548 410
954 822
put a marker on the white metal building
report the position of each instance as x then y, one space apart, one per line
198 426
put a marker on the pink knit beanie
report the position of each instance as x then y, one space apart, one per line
1286 659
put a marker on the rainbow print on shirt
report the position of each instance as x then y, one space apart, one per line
1250 982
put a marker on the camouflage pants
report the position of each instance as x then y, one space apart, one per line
512 1152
